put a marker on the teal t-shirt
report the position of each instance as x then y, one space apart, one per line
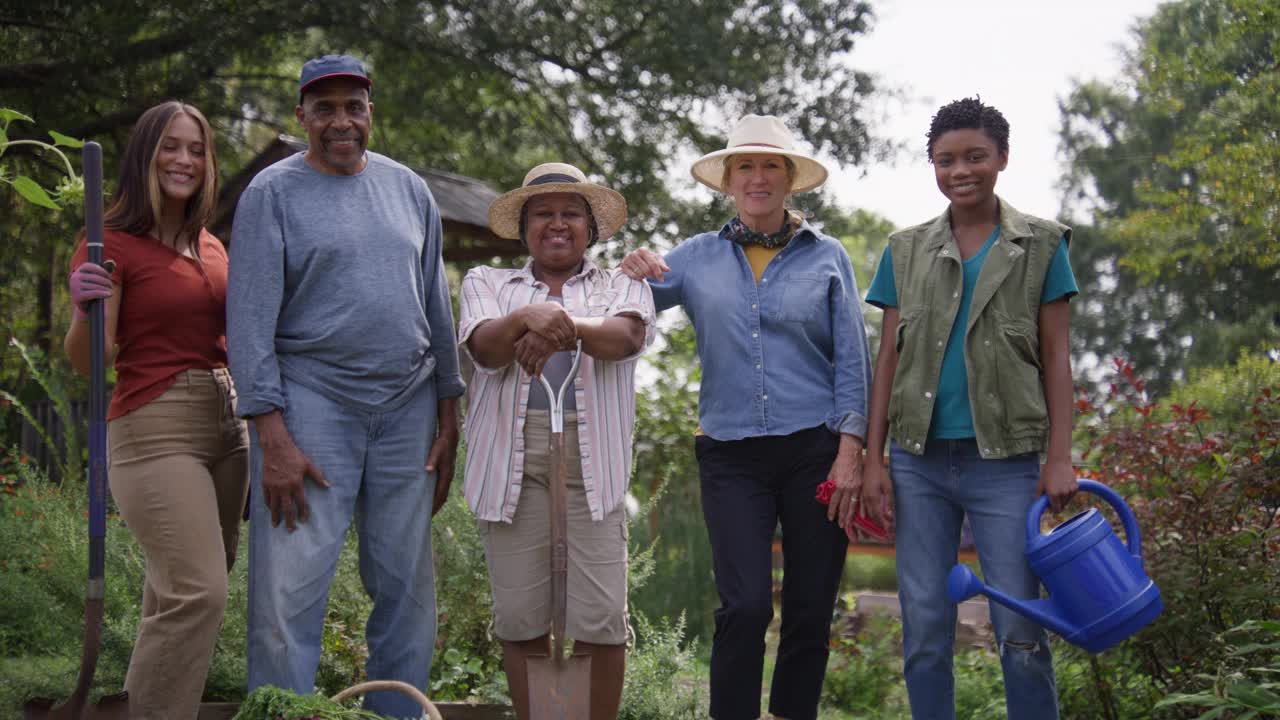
952 416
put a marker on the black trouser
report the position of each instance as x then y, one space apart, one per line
748 486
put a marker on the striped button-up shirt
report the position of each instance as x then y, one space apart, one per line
498 398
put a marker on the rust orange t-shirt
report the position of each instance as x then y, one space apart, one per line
172 314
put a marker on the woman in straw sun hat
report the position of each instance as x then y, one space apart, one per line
516 325
782 408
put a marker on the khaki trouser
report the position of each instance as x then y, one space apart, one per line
179 471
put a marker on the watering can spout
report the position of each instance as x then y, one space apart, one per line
962 584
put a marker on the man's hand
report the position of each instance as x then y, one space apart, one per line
533 351
643 263
550 320
444 451
284 470
1058 481
877 492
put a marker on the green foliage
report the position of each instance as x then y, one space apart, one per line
29 189
1207 501
468 658
42 582
665 474
864 236
1111 686
662 682
870 572
1228 392
1176 165
865 665
342 646
29 206
53 381
1247 684
979 686
272 703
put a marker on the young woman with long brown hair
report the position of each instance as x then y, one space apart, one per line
178 456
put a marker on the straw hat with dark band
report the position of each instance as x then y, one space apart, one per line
760 135
608 206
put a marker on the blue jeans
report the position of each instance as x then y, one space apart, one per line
932 494
374 463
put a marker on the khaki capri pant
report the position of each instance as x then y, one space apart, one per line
519 552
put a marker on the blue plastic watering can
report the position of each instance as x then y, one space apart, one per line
1099 593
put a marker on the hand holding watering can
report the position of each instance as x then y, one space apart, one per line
1099 593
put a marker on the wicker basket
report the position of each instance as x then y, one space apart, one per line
405 688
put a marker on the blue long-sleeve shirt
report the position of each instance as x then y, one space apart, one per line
781 355
336 282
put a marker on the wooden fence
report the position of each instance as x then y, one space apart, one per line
32 443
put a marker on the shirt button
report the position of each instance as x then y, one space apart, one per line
755 334
986 451
757 366
765 396
917 446
955 295
939 343
928 394
764 279
986 342
753 306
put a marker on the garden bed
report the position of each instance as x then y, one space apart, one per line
448 710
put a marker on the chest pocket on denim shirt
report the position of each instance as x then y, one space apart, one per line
803 293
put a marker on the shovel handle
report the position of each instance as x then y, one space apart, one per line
556 399
559 509
406 688
92 158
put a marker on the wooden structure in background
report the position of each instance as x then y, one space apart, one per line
464 206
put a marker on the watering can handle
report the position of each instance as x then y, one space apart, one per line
1131 532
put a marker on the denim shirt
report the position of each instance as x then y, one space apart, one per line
778 356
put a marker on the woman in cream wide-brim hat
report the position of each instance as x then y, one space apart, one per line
782 408
516 324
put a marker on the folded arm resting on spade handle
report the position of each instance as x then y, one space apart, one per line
493 343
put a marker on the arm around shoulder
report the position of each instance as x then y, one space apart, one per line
627 327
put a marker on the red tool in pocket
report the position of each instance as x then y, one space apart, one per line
862 524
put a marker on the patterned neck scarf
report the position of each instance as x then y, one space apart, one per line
743 235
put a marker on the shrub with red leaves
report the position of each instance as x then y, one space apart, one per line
1207 498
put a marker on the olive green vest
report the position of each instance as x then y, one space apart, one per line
1001 342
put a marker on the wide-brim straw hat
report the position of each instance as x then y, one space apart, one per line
608 206
760 135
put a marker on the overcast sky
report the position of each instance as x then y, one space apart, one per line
1019 55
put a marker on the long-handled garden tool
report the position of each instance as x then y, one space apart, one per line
110 707
559 687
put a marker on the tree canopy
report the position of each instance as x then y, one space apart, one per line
1178 167
486 88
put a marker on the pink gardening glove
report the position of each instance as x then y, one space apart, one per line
89 282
